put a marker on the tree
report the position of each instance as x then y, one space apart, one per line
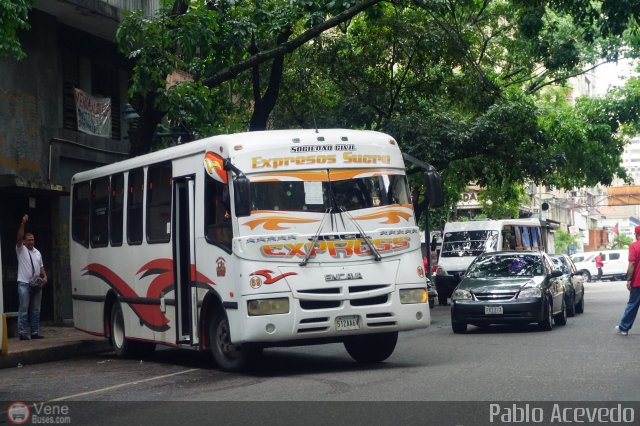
215 42
13 18
563 240
463 85
621 242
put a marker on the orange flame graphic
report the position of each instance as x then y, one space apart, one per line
273 223
391 216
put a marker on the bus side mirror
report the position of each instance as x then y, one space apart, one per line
242 196
433 185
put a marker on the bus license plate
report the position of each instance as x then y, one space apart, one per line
493 310
350 322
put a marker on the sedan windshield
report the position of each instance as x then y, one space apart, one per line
319 196
506 265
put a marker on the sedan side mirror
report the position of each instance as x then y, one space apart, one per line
555 274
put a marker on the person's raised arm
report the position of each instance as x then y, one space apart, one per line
20 236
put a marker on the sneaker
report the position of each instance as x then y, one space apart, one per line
620 332
37 336
23 337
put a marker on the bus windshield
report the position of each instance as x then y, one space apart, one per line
468 243
315 196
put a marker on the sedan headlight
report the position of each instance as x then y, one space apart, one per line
529 292
461 295
268 306
413 295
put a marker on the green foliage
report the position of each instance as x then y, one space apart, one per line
563 240
460 85
471 87
502 201
621 242
13 18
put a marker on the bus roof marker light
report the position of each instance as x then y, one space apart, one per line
238 147
296 140
392 141
320 138
344 138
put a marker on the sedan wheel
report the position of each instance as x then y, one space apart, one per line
547 323
561 318
459 327
580 305
571 306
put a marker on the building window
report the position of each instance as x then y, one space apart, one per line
134 206
159 203
104 83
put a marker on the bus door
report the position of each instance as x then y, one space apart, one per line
186 302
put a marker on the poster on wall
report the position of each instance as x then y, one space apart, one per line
94 114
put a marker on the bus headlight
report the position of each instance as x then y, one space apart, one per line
414 295
268 306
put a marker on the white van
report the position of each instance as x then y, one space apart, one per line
463 241
614 264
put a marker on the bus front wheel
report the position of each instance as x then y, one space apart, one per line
370 348
229 356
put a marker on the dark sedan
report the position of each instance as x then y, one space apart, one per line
573 281
509 287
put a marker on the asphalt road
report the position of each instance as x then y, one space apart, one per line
582 361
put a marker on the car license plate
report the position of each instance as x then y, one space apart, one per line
493 310
350 322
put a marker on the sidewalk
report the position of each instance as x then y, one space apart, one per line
60 342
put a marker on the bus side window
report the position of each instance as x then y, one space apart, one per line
99 224
159 203
116 209
217 220
80 214
134 206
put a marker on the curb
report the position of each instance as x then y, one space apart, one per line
56 353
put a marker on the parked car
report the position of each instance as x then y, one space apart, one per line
463 241
573 281
614 264
509 287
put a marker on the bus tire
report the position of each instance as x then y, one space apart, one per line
123 347
371 348
228 356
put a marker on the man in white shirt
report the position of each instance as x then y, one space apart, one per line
30 266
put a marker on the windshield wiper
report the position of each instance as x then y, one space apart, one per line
365 237
314 240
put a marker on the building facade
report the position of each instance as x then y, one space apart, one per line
72 61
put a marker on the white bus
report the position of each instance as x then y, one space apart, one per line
239 242
463 241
